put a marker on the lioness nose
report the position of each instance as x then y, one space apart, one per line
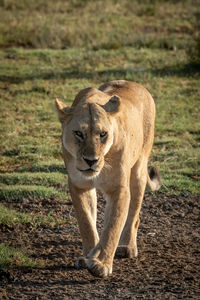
90 162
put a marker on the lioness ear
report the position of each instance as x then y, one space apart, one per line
62 110
112 106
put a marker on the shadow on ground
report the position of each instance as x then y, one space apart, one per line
190 69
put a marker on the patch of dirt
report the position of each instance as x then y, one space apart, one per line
167 267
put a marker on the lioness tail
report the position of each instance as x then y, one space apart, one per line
154 180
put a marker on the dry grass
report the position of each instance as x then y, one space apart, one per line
92 24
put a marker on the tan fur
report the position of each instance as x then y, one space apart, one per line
107 136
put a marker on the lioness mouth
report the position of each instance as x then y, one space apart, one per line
88 170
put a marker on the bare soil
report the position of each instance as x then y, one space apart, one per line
167 267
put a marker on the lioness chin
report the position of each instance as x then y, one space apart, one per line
107 136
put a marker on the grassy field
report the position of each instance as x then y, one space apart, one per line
53 50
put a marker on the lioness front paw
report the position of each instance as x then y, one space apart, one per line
81 262
97 268
126 252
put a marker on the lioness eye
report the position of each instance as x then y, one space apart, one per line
103 134
79 135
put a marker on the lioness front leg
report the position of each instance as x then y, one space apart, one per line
100 259
84 202
128 241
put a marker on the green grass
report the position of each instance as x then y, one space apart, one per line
10 256
54 179
49 51
32 149
17 193
11 217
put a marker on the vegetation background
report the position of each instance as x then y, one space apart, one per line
52 49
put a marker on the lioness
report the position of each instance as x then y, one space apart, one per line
107 136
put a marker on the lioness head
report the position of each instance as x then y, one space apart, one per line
87 129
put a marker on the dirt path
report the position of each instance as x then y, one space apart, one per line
167 266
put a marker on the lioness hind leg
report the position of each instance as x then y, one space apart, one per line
84 202
128 241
